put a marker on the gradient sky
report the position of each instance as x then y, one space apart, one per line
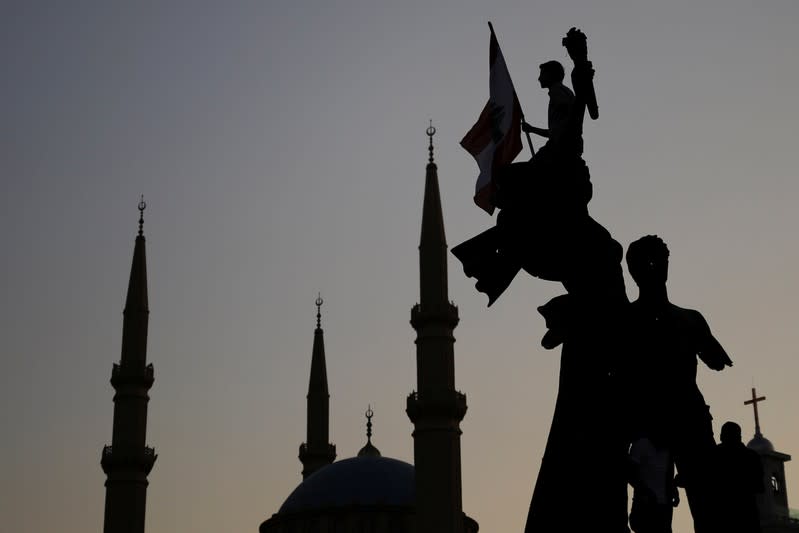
280 147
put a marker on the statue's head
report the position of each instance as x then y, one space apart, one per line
648 261
730 433
552 73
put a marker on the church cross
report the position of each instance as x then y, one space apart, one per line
754 401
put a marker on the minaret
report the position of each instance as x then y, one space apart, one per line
317 451
128 461
436 408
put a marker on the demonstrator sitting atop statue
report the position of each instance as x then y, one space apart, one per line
543 226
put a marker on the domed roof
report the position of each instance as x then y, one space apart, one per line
760 444
365 480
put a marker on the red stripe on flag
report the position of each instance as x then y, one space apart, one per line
480 135
495 139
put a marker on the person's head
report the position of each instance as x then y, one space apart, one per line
648 261
552 73
730 433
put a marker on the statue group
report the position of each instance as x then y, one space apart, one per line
628 408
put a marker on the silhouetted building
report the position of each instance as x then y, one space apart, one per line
363 493
368 492
775 515
436 408
317 451
128 460
376 494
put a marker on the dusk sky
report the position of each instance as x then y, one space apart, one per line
281 149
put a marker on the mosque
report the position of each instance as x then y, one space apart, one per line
368 493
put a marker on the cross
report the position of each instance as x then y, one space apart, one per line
754 401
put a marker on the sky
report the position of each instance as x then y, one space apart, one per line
281 149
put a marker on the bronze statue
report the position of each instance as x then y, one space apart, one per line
664 343
544 228
612 351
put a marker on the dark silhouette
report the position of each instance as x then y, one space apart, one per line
317 451
436 408
739 479
128 460
612 350
561 102
665 343
371 492
652 479
544 228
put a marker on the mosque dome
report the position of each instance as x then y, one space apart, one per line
353 494
363 481
350 495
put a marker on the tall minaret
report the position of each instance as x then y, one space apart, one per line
317 451
128 461
436 409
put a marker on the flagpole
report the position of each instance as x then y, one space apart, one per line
527 133
529 141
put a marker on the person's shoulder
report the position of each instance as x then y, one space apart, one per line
691 315
752 454
561 92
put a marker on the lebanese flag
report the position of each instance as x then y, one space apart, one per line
495 139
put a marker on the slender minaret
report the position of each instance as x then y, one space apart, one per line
317 451
128 460
436 408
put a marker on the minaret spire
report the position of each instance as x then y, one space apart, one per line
317 451
142 207
436 408
433 242
430 132
128 460
369 449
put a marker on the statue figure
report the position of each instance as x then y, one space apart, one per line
544 228
611 350
664 343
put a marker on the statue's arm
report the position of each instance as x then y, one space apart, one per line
709 349
576 44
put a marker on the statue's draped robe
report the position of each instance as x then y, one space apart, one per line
582 482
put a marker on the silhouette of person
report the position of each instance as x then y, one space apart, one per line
739 478
652 479
665 343
559 112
